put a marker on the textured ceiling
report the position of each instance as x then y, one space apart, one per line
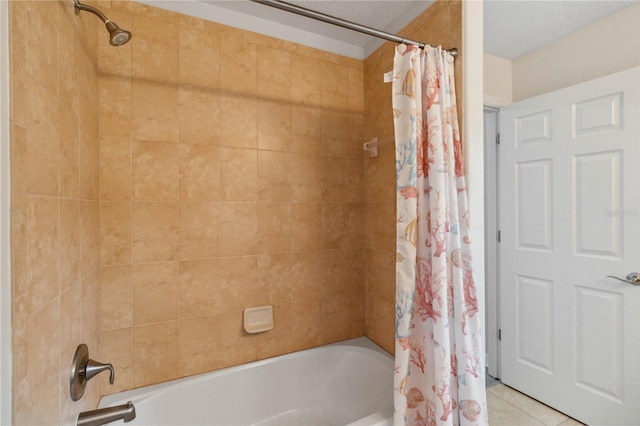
511 27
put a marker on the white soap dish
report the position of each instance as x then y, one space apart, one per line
257 320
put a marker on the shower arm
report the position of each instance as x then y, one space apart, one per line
79 6
117 36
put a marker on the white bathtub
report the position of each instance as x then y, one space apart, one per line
348 383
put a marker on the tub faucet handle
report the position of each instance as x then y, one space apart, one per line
84 369
94 367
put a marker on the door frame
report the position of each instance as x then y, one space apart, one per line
491 116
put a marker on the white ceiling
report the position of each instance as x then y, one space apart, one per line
511 27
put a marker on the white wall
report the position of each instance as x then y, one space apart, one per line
5 265
609 45
473 133
497 87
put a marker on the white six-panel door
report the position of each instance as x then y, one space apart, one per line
570 216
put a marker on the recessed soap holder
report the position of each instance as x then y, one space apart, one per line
84 369
259 319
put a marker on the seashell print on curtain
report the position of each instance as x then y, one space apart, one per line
439 365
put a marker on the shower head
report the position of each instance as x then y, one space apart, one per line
117 36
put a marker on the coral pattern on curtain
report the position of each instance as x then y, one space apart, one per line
439 367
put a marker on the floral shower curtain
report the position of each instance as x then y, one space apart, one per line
439 371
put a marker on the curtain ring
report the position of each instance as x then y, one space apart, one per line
402 47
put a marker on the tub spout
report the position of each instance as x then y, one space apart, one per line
103 416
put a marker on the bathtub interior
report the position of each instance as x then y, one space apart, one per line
350 383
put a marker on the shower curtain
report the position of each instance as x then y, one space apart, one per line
439 367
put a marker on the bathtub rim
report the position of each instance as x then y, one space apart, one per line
141 393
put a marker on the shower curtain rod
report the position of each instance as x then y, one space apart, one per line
299 10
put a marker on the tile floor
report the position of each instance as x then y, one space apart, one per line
510 407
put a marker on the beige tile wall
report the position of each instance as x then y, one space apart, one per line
440 24
54 205
231 176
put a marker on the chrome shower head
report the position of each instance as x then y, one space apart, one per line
117 36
